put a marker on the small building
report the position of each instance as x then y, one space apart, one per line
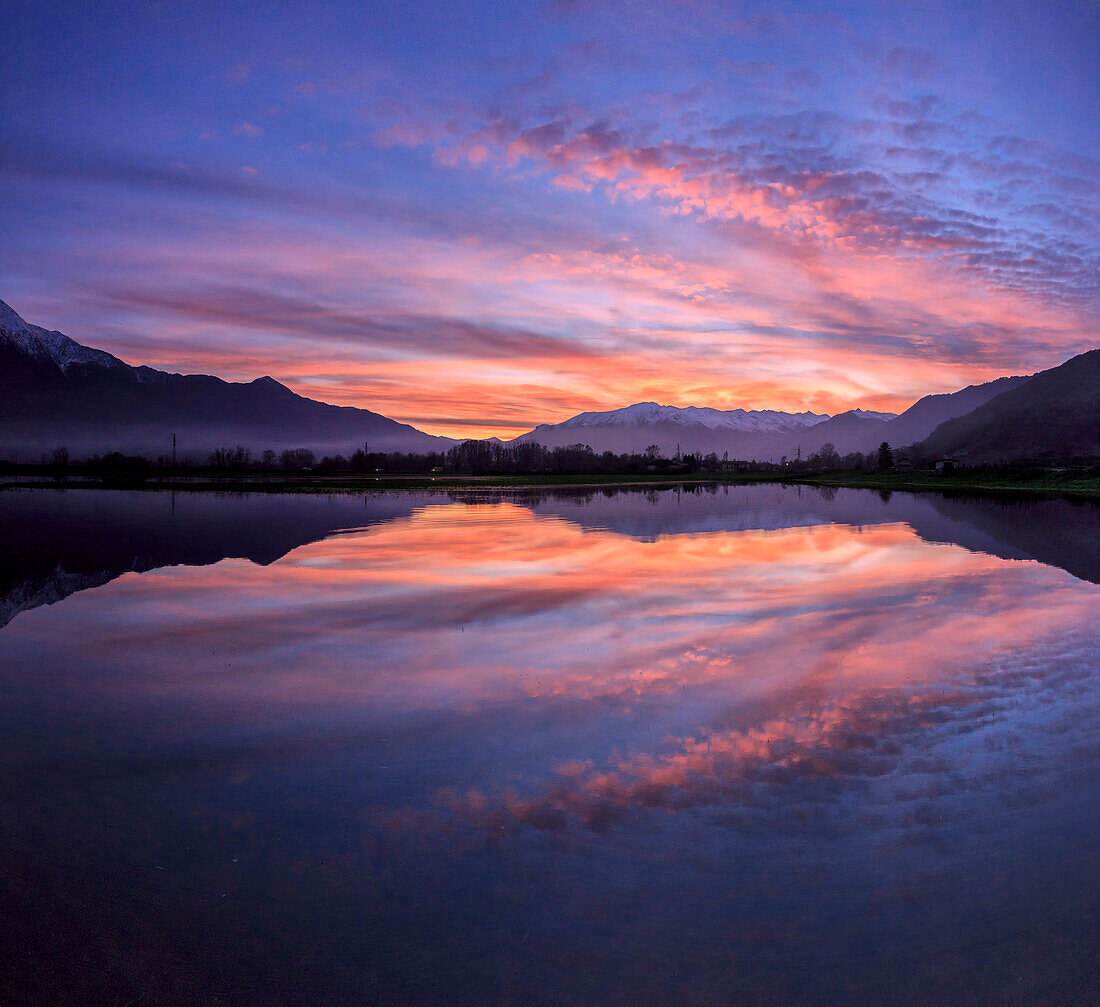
946 464
904 465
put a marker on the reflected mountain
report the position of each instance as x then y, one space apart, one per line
56 542
1059 533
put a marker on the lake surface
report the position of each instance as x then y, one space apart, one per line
761 745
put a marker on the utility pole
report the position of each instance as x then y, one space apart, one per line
173 450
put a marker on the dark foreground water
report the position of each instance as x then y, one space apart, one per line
760 746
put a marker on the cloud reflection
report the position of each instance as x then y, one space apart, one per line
904 739
678 672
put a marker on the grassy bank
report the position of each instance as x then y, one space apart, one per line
1078 483
1043 482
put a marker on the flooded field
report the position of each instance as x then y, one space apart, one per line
759 745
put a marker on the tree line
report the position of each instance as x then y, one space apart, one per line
484 457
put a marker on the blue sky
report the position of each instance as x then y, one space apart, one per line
478 217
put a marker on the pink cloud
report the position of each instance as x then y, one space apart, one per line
570 182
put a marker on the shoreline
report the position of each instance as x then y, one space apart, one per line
1072 484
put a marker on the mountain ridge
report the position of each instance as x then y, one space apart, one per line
55 391
773 436
649 413
1053 415
48 345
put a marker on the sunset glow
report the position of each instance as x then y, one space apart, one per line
475 218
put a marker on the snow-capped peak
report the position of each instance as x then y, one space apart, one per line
651 413
44 345
868 414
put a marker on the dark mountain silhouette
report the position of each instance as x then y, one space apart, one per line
55 391
1053 416
924 415
53 544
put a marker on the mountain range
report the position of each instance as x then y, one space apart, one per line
763 435
55 391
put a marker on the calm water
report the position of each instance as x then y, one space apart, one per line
760 746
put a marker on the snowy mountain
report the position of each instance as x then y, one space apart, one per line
762 434
768 435
651 414
49 347
57 392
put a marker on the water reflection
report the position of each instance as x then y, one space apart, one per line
54 543
669 748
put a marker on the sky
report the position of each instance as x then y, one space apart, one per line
477 217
